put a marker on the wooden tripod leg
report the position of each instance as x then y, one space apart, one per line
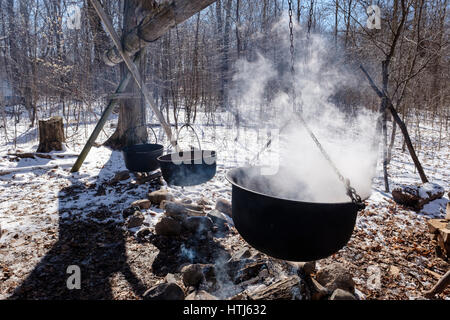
106 113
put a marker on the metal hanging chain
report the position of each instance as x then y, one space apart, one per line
292 50
351 192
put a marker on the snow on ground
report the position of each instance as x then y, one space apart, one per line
33 202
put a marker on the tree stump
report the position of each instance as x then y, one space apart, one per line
51 134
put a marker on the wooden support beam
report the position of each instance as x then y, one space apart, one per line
166 16
134 71
106 113
400 123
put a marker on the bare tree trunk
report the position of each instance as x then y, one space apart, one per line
131 128
391 144
238 24
226 54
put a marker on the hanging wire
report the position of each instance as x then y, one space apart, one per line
351 192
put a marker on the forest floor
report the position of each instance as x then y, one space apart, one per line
51 218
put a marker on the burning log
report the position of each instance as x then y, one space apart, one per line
285 289
51 135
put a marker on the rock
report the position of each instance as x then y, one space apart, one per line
142 204
317 291
224 206
335 276
219 219
129 211
340 294
156 197
144 232
201 295
170 278
164 291
209 272
136 220
168 226
192 275
120 176
306 268
174 210
198 224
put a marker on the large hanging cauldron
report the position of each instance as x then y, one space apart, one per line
142 157
287 229
188 168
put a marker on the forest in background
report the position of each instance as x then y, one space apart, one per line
45 63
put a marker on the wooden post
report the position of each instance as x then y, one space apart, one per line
106 113
51 135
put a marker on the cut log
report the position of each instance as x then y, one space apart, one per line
447 215
155 25
51 135
415 197
440 230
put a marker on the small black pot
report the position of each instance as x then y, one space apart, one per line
287 229
142 157
188 168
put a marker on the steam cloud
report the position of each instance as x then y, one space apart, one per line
350 140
